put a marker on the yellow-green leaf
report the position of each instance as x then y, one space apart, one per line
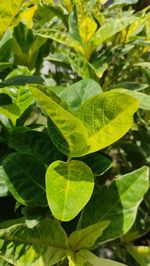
107 117
68 125
141 254
86 238
69 186
87 28
8 9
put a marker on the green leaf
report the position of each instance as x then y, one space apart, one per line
86 238
107 117
21 80
5 99
73 27
144 99
135 86
61 37
42 245
5 46
7 12
76 94
98 163
35 143
3 262
87 27
86 258
123 198
8 223
25 178
65 183
68 125
3 186
12 111
109 29
124 2
141 254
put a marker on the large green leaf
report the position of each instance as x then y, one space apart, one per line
117 203
7 12
86 258
86 238
69 186
107 117
42 245
141 254
76 94
25 178
35 143
69 126
109 29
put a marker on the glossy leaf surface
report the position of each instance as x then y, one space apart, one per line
25 178
121 205
42 245
65 183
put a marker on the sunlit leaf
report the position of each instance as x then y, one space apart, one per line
65 183
121 205
86 238
42 245
8 9
107 117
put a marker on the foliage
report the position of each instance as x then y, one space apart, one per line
74 133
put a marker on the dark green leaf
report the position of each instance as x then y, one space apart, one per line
25 178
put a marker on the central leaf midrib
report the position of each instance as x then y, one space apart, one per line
67 189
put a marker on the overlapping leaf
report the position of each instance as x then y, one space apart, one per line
121 204
42 245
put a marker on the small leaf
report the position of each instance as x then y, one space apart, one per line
107 117
123 198
87 28
135 86
85 257
21 80
65 183
141 254
42 245
25 178
86 238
